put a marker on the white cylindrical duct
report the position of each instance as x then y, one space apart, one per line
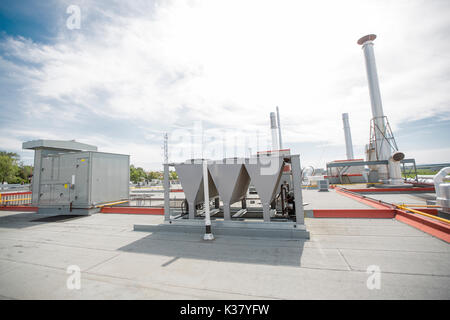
273 128
395 172
279 129
348 137
383 146
439 178
442 189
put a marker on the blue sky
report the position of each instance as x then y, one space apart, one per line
137 69
29 19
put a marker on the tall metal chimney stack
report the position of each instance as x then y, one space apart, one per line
392 174
348 137
279 129
273 127
383 147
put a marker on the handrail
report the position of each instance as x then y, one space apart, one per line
17 198
21 199
111 204
420 205
423 213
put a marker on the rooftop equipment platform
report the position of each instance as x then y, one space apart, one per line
229 180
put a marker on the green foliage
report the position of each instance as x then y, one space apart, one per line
173 175
13 171
420 172
139 175
155 175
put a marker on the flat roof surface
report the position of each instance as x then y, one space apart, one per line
119 263
330 200
404 198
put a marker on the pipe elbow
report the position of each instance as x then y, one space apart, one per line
398 156
440 176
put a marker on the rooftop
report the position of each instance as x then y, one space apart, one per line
119 263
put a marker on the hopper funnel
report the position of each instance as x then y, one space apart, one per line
232 181
265 174
191 179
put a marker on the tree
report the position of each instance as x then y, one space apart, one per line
154 175
137 174
25 173
8 167
173 175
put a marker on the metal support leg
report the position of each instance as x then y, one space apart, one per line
166 193
226 211
297 185
266 212
216 203
192 210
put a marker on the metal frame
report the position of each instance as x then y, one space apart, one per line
411 169
296 177
346 165
386 135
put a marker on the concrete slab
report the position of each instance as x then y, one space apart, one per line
404 198
52 255
361 227
330 200
119 263
39 282
425 263
255 229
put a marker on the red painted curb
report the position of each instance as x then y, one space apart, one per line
354 213
437 229
19 208
132 210
432 211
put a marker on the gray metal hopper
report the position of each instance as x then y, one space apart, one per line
232 181
191 179
265 174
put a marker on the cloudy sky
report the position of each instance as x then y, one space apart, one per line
137 69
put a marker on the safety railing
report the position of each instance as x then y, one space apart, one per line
15 198
404 207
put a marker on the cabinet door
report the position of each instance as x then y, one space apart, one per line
61 193
46 170
46 194
81 187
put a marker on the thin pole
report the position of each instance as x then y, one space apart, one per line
273 128
166 180
279 129
208 235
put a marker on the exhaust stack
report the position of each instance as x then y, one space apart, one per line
273 128
391 174
279 129
348 137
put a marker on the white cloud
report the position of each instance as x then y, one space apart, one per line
231 62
